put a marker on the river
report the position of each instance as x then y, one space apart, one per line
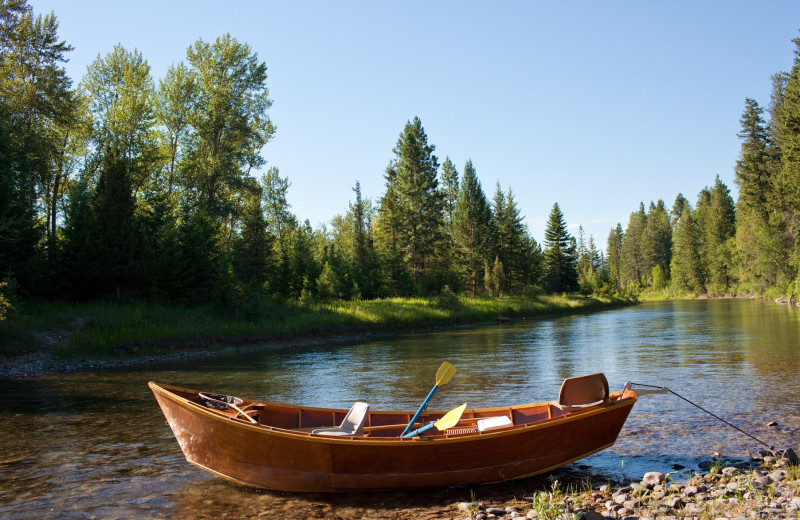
95 445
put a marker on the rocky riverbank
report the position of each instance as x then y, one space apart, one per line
766 487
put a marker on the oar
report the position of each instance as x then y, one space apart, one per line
449 420
443 376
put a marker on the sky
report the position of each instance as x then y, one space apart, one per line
594 105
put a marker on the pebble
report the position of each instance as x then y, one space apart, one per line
732 493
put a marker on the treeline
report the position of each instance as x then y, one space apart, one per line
718 246
123 188
126 188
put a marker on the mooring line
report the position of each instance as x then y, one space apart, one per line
772 448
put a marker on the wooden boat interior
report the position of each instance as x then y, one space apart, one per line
577 396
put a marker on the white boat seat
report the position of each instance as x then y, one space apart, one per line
493 423
352 424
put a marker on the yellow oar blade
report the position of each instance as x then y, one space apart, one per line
445 373
451 418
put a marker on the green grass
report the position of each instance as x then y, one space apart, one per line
102 330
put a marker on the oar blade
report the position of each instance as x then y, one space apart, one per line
451 418
445 373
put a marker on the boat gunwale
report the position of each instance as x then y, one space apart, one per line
304 436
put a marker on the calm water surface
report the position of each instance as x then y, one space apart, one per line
95 445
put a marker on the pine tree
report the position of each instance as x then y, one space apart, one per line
450 188
717 221
656 242
686 270
614 257
632 267
559 254
471 226
115 241
411 213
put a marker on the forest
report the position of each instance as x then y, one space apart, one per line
126 188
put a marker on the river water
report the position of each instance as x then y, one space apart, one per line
95 445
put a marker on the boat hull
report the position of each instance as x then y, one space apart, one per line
285 460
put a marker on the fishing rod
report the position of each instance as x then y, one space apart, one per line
664 390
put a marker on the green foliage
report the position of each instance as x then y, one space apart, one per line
559 254
411 213
470 229
5 305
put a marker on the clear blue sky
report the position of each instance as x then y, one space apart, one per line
594 105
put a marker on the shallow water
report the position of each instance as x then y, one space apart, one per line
95 445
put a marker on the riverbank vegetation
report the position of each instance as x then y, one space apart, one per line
100 331
129 191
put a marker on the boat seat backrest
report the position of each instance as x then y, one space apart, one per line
352 424
584 390
355 418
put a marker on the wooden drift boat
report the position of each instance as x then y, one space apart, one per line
298 448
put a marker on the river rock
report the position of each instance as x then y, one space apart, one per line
690 491
777 476
789 454
653 478
496 511
730 471
631 504
466 506
591 515
675 503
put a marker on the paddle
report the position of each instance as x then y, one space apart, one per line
449 420
443 376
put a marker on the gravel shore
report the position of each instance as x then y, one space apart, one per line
766 487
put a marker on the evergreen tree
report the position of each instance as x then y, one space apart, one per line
559 254
116 242
686 270
614 257
717 220
656 242
471 226
450 189
411 213
252 247
632 268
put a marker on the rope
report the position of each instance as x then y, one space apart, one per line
772 448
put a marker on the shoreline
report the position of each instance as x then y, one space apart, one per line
766 486
233 336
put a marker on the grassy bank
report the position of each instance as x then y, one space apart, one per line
103 331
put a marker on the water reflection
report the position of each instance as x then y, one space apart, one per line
96 443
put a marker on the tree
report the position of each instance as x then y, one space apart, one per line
633 268
115 242
121 96
587 263
656 243
717 220
450 188
470 228
559 253
614 256
174 99
252 247
35 105
411 218
686 270
229 122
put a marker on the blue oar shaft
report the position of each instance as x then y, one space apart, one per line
421 408
421 429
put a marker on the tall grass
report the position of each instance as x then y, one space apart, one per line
99 330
